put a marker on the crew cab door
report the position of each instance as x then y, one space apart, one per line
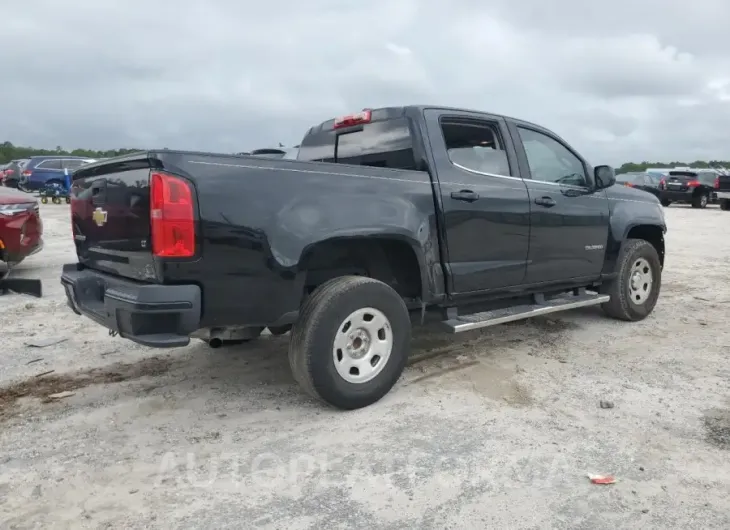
484 202
569 221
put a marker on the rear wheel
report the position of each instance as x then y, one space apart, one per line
700 201
44 200
351 342
725 204
635 290
665 202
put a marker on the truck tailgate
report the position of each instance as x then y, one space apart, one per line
110 215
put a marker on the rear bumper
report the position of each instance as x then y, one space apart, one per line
160 316
723 194
676 196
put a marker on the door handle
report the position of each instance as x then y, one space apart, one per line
464 195
548 202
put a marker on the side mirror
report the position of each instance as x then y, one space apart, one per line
604 176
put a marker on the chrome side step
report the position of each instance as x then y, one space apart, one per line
494 317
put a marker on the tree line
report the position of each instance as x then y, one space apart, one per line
9 152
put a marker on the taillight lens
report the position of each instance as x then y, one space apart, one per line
693 183
27 173
628 184
717 183
172 216
662 184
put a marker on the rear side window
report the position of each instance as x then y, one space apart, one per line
386 143
49 164
475 145
73 164
707 177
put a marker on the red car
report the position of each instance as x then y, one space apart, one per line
21 228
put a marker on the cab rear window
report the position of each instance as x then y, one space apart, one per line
386 143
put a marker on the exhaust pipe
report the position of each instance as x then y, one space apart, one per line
215 342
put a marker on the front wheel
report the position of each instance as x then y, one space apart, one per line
665 202
351 342
635 290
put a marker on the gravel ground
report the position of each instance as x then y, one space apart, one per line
492 429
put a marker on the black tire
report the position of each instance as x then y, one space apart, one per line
725 204
311 354
700 201
621 306
665 202
68 200
44 200
279 330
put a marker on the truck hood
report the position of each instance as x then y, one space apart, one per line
619 192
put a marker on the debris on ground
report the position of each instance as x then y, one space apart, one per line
42 343
39 359
606 404
602 479
61 395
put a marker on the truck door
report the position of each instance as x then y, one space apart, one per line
568 220
484 201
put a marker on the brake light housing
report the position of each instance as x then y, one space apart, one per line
717 183
27 173
693 183
172 216
353 119
628 184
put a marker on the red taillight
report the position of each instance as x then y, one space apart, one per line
628 184
693 183
717 183
662 184
27 173
172 216
353 119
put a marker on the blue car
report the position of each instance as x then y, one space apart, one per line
43 170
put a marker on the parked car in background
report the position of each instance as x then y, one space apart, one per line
287 153
722 189
641 181
43 170
11 175
688 186
21 229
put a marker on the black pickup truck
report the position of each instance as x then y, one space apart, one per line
389 216
722 187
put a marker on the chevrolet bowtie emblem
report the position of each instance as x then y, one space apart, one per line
99 216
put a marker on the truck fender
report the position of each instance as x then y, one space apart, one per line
634 219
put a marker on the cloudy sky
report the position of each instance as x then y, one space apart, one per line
620 80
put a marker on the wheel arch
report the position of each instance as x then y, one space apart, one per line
396 260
